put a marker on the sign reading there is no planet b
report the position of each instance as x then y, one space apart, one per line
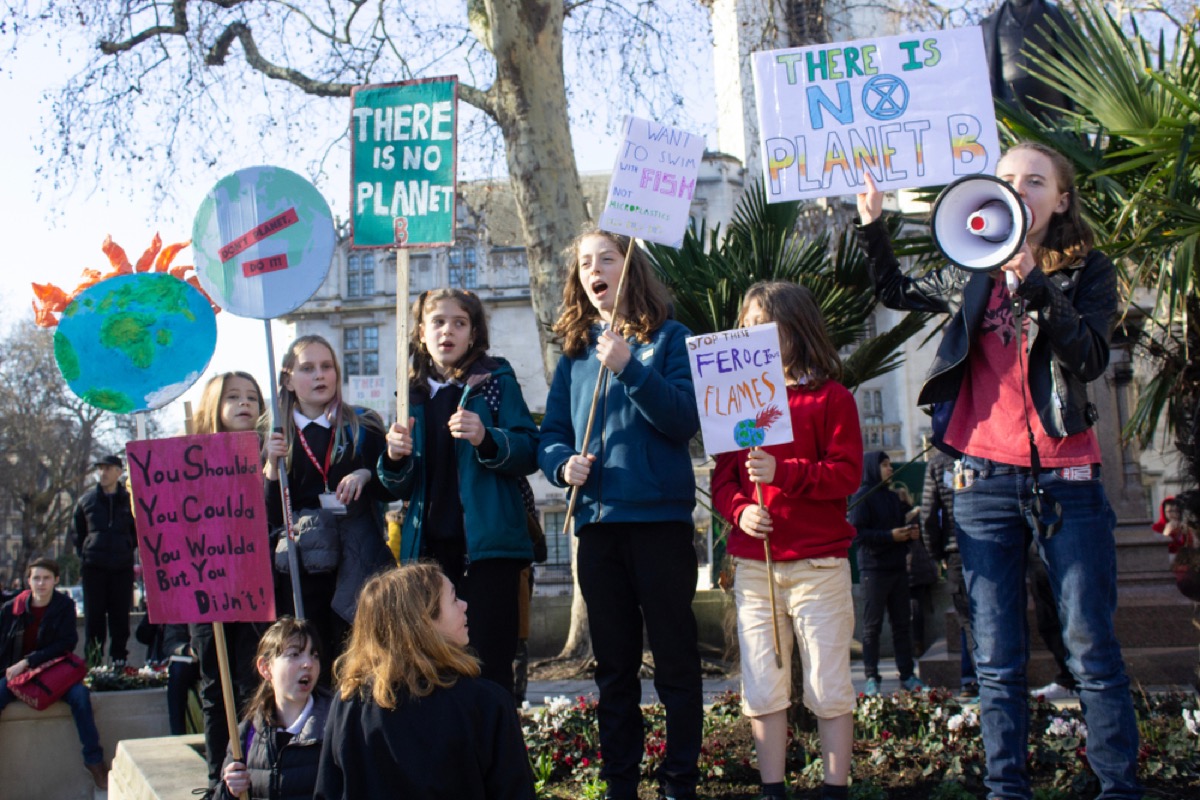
403 151
652 183
912 110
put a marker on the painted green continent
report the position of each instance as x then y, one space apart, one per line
68 359
110 400
129 333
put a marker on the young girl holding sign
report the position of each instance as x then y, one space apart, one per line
457 466
794 497
1008 386
284 722
331 449
634 519
230 402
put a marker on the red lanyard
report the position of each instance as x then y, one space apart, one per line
328 455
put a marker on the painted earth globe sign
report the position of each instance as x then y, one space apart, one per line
135 342
263 239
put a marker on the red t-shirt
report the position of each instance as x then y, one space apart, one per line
814 474
988 421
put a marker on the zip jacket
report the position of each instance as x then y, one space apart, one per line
57 635
494 514
1072 315
644 423
104 528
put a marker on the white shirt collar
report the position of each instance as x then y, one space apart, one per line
296 726
303 421
436 386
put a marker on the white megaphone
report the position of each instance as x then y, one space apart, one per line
979 223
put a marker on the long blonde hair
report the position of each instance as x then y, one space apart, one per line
394 644
644 300
346 418
207 418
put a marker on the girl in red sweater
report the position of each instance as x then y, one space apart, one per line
802 514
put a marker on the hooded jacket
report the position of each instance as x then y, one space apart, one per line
875 511
644 424
494 517
1072 315
57 635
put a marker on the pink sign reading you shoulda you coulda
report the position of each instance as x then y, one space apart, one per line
202 528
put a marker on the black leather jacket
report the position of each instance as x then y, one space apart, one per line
1072 314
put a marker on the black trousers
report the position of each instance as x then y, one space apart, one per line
181 679
107 602
490 589
630 574
241 643
886 591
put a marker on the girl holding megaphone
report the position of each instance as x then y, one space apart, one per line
1008 392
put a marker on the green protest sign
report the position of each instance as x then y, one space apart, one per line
403 163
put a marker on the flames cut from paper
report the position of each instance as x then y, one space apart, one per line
50 300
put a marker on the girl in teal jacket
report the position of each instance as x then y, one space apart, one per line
456 465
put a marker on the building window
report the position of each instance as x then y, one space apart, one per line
463 267
360 351
360 275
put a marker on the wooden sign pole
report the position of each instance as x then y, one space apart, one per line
601 385
770 582
402 324
285 493
235 744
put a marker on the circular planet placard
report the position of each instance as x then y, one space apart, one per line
263 239
135 342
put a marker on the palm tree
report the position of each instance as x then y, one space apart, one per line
709 275
1132 136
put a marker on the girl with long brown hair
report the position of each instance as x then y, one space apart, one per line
793 496
284 720
458 462
636 491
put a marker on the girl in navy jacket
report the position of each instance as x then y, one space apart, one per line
635 561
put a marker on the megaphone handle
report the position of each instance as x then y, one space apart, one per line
1011 280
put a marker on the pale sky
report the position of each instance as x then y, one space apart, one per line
50 236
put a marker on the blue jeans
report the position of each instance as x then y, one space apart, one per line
80 701
994 522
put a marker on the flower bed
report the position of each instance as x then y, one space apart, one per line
108 679
908 745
